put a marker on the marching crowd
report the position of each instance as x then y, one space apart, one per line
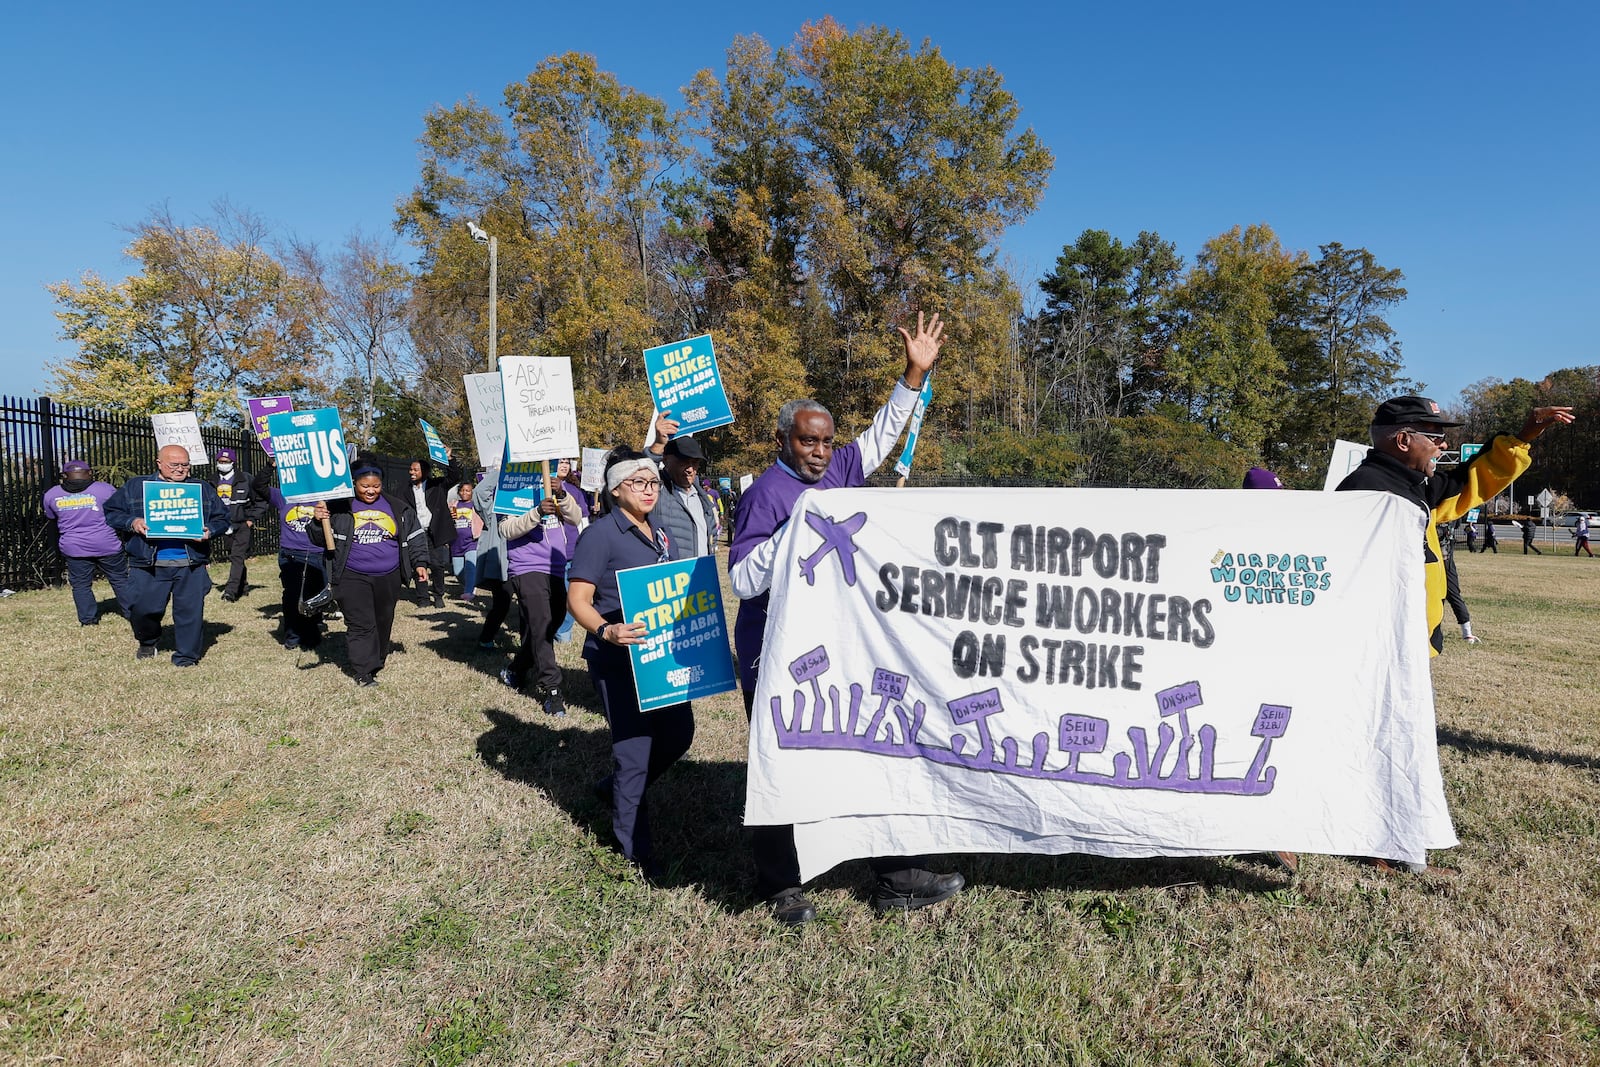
560 561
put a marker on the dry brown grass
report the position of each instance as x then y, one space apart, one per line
255 862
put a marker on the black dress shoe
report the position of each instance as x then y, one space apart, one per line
791 908
916 888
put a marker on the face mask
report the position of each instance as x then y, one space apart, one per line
224 468
75 485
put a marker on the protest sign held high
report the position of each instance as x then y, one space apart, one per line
541 420
181 428
486 401
1116 672
309 449
684 380
436 450
685 654
260 408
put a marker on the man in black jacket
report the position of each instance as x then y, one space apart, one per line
430 496
242 496
687 512
163 569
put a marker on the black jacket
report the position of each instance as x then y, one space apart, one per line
437 493
413 542
248 496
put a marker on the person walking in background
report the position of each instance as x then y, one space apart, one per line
430 499
373 537
491 559
1527 538
1452 588
536 563
464 548
240 493
87 541
1490 543
1472 539
1580 533
166 568
302 572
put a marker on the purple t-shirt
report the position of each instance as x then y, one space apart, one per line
292 522
375 541
542 550
81 518
462 512
765 506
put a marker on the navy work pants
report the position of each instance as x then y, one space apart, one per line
80 575
186 586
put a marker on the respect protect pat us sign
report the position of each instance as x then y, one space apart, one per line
309 449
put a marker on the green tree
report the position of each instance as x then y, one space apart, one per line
569 179
1342 361
211 318
1236 307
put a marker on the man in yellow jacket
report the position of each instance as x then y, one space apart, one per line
1407 438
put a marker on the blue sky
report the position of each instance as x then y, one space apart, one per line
1457 141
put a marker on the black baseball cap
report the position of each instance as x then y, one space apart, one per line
685 448
1409 411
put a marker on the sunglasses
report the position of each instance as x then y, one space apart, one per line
1436 438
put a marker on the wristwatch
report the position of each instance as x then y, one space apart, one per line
601 633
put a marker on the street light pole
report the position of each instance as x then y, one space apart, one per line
494 294
482 236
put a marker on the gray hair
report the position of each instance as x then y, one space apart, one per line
787 413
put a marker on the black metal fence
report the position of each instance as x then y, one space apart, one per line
37 436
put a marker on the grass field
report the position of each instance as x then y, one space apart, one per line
255 862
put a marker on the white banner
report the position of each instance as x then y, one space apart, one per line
541 418
1347 456
488 407
181 428
1115 672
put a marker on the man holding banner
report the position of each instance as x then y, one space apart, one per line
172 567
806 460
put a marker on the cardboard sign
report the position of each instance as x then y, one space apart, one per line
181 428
260 408
436 450
1347 456
593 470
488 407
174 509
541 419
310 452
685 653
685 382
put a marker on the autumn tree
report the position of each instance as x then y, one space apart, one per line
211 318
568 179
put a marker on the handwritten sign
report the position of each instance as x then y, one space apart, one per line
594 470
436 450
685 381
486 401
685 653
541 419
174 509
310 452
181 428
260 408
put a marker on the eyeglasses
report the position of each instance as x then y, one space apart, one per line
1436 438
644 485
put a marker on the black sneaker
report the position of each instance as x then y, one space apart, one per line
145 652
509 679
229 598
553 705
366 681
291 642
917 888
